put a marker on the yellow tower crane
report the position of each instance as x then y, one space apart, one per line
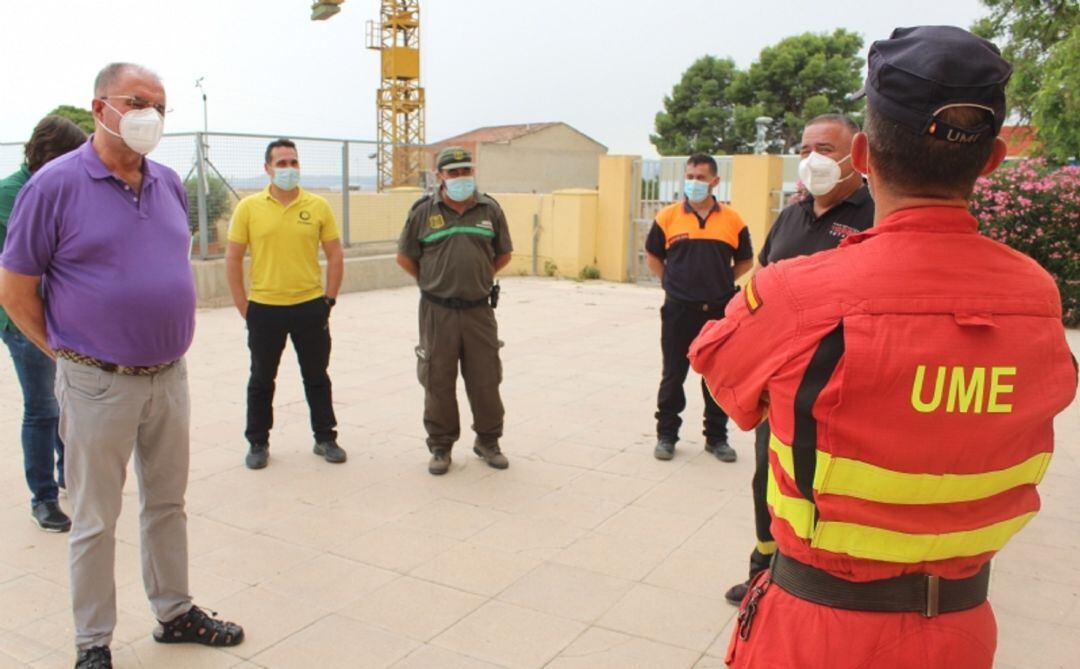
400 98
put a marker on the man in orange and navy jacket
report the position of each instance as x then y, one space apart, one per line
910 379
697 248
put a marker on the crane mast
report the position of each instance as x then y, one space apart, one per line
399 102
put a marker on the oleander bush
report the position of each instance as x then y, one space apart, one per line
1035 208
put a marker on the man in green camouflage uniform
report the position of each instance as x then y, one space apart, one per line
454 242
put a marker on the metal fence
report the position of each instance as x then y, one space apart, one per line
229 166
659 182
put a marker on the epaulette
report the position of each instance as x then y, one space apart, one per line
419 202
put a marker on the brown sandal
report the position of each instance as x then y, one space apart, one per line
196 626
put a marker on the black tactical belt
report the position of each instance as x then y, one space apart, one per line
923 593
701 306
453 302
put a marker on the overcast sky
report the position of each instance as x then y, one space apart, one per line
603 66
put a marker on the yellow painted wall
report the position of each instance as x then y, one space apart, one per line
755 182
613 217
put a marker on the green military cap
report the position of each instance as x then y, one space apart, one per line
453 157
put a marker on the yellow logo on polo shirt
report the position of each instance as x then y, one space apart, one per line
436 221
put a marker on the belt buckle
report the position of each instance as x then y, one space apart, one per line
933 595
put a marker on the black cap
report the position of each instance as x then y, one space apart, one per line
919 72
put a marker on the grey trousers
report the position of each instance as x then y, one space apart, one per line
104 417
469 337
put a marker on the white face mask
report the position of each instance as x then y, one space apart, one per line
819 173
139 128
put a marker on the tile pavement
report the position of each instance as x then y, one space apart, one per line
586 553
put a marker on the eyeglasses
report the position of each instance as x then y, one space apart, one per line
137 103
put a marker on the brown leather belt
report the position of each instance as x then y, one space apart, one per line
124 370
926 594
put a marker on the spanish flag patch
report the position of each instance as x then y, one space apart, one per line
753 299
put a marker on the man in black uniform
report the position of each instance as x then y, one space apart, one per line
454 242
697 248
839 205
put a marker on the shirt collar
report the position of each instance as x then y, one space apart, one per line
269 196
921 219
97 169
689 208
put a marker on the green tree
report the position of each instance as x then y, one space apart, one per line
1039 37
1055 111
795 80
218 204
77 115
698 116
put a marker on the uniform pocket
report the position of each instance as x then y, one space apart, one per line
423 365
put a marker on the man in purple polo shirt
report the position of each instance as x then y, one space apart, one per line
106 230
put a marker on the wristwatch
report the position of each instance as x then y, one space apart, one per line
329 300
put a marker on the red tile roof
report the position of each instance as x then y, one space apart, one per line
1019 139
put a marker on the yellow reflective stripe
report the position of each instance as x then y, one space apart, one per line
797 511
866 481
854 478
766 547
873 543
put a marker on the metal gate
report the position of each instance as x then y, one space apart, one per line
656 183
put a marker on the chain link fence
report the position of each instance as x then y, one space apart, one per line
229 166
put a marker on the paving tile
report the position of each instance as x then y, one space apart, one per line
396 548
567 592
329 582
510 636
534 536
604 649
28 598
483 570
254 560
674 617
428 657
612 555
657 528
453 519
414 608
337 641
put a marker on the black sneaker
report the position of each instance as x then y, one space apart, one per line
665 449
331 451
50 517
257 457
722 450
97 657
737 593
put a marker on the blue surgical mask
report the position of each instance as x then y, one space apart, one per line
695 190
286 178
461 188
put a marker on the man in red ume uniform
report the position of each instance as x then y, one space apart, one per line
910 378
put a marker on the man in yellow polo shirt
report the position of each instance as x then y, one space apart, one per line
284 224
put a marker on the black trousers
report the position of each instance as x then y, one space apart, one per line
308 325
766 546
679 325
